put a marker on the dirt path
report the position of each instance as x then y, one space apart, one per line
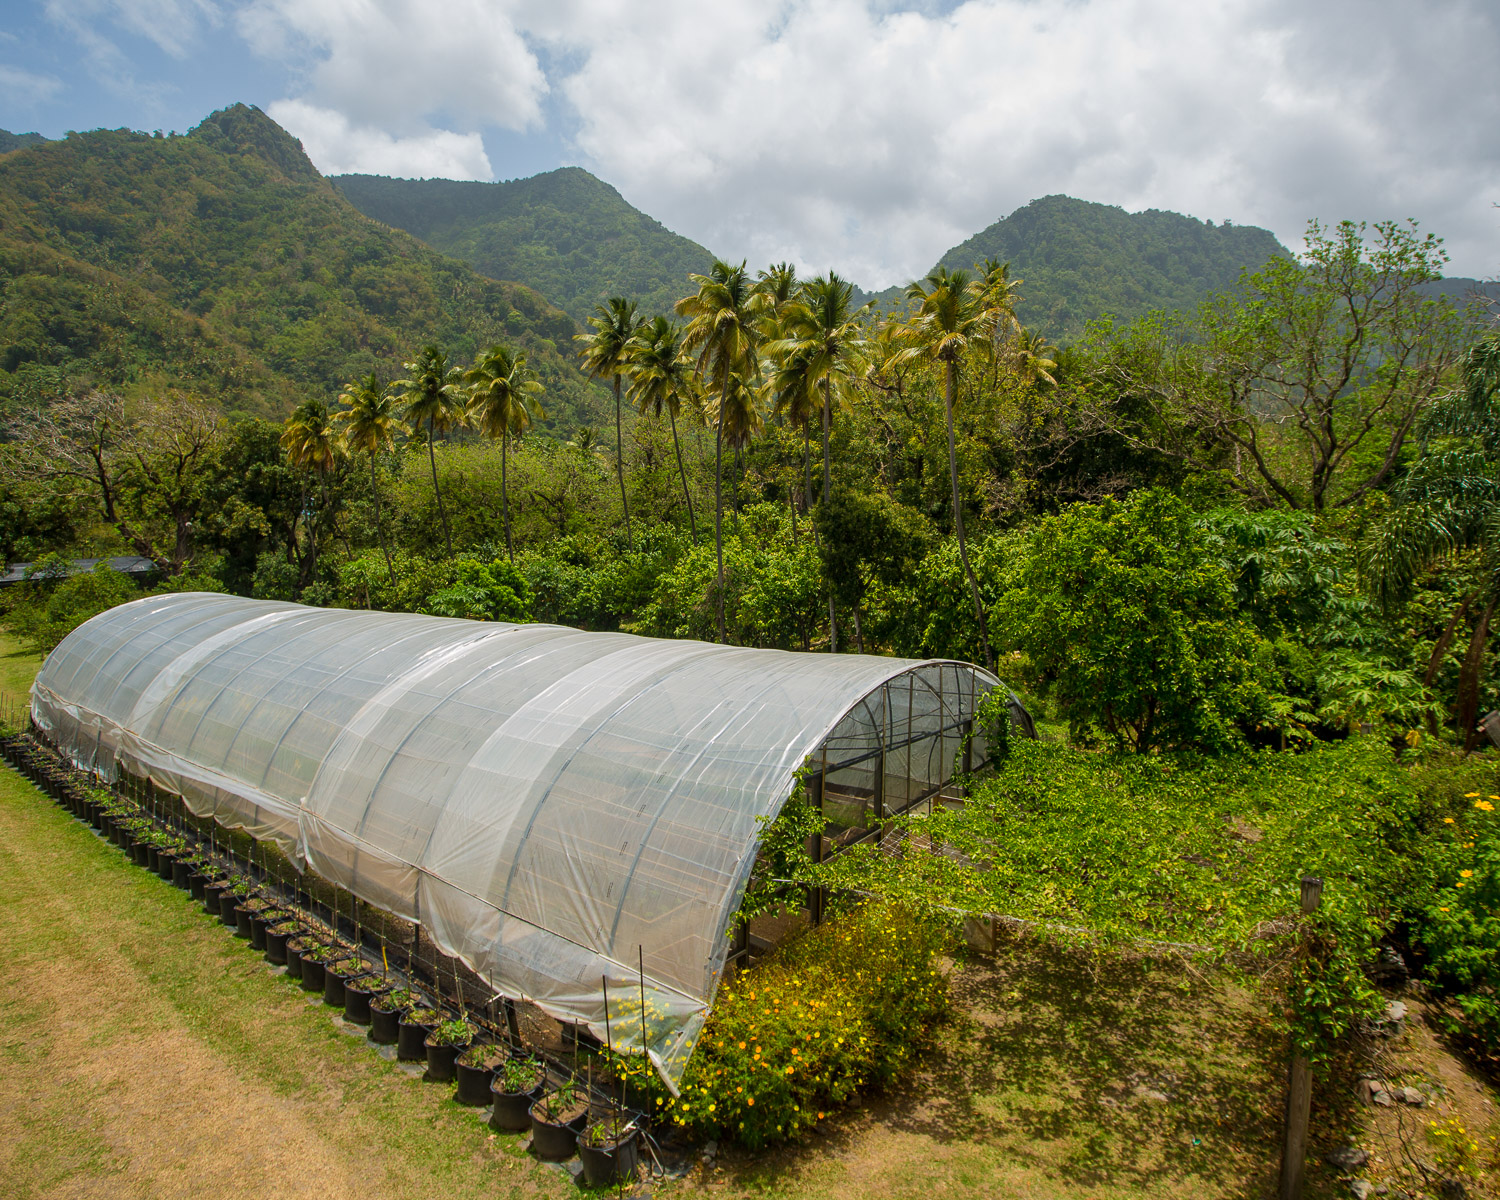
146 1053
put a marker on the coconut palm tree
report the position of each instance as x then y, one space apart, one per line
1033 358
432 398
821 330
793 396
308 439
721 328
369 420
606 351
950 319
998 296
734 411
660 379
502 402
1449 502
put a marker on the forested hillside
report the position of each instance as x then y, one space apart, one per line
223 264
15 141
565 233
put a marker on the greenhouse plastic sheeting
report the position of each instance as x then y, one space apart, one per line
552 806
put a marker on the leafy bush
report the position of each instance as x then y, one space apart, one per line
1132 625
48 611
480 591
843 1007
1458 918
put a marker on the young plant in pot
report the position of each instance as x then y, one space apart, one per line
609 1149
314 972
516 1085
413 1026
244 913
386 1009
443 1046
296 947
474 1068
358 994
556 1120
277 936
336 976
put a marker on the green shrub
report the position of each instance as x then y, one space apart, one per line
49 611
843 1007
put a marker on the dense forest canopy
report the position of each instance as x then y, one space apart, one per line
223 263
570 236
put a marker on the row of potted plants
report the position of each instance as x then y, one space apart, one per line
514 1083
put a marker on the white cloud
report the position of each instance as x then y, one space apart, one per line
837 134
337 147
398 63
24 88
174 26
870 136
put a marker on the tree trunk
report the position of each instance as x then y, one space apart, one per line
442 513
1469 677
510 551
859 633
951 381
620 465
1440 652
379 528
833 621
719 507
682 474
734 492
807 477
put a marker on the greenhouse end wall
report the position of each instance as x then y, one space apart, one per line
554 807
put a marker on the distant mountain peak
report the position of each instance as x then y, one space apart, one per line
17 141
245 129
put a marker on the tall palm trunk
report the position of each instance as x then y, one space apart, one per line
379 528
682 474
807 476
833 621
442 512
950 389
734 492
510 551
620 464
719 505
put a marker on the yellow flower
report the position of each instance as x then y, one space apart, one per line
1466 874
750 1100
1447 820
1471 795
1484 806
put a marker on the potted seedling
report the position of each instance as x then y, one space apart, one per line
556 1119
443 1046
514 1088
244 911
413 1026
336 976
474 1068
609 1149
314 970
386 1010
359 993
277 936
296 947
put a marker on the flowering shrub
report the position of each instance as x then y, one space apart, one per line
843 1007
1459 924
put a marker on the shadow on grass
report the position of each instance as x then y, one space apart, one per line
1129 1077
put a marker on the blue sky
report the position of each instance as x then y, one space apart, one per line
864 135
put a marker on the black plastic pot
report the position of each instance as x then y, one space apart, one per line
441 1060
181 872
141 853
333 988
473 1083
357 996
293 961
512 1110
228 902
604 1166
165 862
260 922
242 921
196 881
276 946
153 859
212 890
385 1027
411 1040
555 1141
313 974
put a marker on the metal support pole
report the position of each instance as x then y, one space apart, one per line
1299 1085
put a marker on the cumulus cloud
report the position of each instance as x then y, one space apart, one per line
339 147
871 135
395 64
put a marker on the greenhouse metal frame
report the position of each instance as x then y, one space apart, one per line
570 814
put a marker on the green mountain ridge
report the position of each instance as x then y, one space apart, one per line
221 262
566 233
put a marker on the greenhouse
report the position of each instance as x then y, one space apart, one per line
560 810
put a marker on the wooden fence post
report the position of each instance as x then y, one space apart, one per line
1299 1086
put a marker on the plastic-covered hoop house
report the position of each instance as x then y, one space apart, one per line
552 806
